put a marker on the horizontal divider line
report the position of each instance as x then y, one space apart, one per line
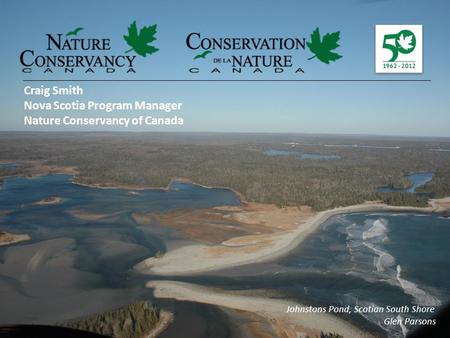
229 80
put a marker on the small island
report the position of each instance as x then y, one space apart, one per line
7 238
49 200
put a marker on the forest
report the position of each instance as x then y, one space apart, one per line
238 161
132 321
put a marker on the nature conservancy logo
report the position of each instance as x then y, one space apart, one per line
398 49
80 52
276 55
76 52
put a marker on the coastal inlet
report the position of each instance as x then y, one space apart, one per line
84 243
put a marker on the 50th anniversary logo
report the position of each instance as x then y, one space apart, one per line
89 54
76 52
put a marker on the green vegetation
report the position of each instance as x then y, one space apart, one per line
132 321
237 161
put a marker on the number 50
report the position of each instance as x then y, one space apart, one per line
392 48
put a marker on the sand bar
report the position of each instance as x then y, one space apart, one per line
259 248
274 310
7 238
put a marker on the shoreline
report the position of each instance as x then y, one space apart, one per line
40 168
260 248
239 195
273 246
288 325
213 258
118 186
273 310
165 319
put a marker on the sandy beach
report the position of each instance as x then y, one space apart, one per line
273 310
259 248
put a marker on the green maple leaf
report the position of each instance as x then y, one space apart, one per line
140 42
323 49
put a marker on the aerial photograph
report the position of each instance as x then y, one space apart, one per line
178 200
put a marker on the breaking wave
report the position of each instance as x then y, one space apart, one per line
420 296
384 260
378 229
370 236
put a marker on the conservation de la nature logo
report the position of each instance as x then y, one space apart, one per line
275 55
398 49
76 52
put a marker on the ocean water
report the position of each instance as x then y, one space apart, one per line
377 259
363 259
76 266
